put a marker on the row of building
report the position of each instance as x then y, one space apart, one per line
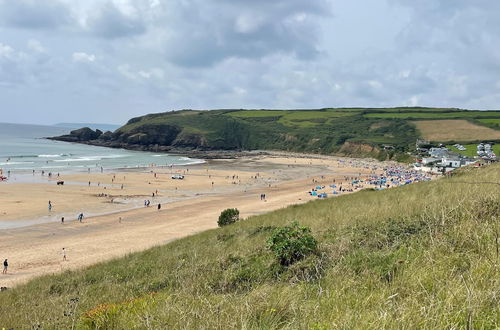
442 160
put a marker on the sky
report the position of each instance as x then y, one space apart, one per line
109 60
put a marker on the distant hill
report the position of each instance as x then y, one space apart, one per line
102 127
376 132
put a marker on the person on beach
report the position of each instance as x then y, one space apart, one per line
159 206
62 220
5 266
50 206
64 254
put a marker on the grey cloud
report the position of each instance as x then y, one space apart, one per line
33 14
245 29
460 40
110 22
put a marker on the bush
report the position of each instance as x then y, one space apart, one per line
228 216
292 243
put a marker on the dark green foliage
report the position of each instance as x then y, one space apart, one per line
292 243
228 216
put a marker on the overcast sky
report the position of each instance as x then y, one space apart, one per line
110 60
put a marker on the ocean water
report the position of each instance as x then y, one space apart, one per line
24 149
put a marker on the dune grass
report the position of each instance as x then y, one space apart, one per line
419 256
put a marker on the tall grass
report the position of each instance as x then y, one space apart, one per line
419 256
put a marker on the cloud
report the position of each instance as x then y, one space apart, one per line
201 34
112 22
33 14
36 46
7 52
153 55
83 57
458 41
189 33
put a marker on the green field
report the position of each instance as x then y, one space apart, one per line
491 122
495 121
258 113
472 150
428 115
421 256
298 118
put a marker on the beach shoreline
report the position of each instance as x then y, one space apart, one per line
189 206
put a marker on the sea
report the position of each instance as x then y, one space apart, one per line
24 149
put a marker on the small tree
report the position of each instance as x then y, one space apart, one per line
228 216
292 243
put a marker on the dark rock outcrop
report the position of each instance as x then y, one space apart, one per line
106 136
80 135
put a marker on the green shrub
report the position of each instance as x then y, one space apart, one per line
228 216
292 243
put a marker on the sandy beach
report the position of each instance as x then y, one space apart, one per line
116 222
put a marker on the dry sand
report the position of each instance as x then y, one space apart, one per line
188 206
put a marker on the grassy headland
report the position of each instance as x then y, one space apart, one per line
341 131
419 256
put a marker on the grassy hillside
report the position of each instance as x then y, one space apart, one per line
348 131
320 131
344 131
419 256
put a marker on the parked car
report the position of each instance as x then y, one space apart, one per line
178 176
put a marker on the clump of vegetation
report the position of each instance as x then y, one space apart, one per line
292 243
228 216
